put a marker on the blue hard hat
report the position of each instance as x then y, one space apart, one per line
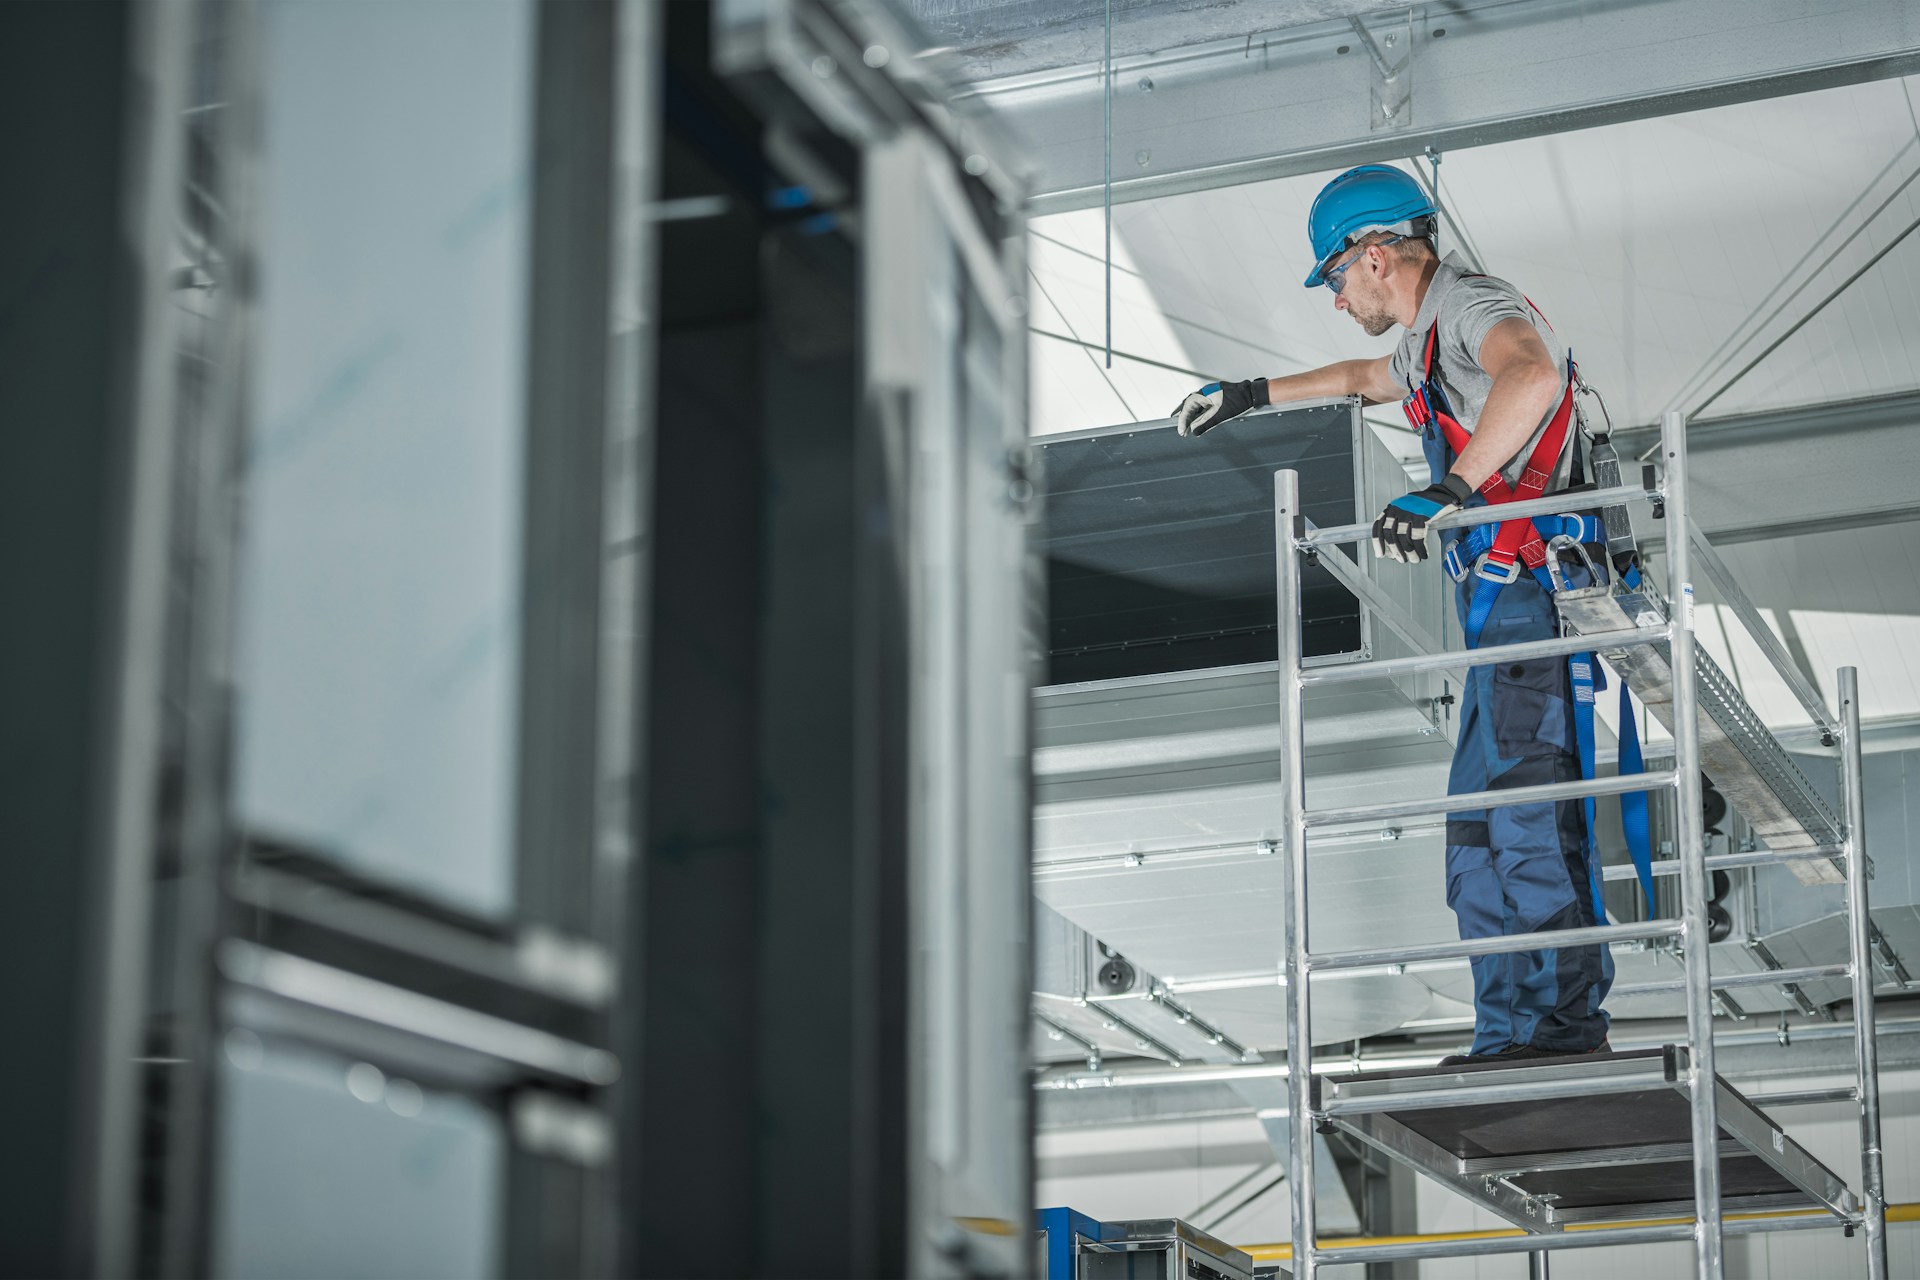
1358 201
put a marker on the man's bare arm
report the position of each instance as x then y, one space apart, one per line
1525 384
1219 402
1368 378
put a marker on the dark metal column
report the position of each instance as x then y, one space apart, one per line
90 96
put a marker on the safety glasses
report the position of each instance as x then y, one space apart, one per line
1335 278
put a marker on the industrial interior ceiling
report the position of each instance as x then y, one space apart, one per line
1751 263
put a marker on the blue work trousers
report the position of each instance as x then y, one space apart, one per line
1524 868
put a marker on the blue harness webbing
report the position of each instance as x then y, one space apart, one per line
1463 553
1633 804
1467 553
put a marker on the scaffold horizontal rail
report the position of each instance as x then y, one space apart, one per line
1551 505
1579 789
1462 1091
1453 659
1589 1238
1723 981
1468 947
1728 861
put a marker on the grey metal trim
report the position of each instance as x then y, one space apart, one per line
584 977
1143 1039
1627 1038
1685 723
302 981
1767 1142
150 152
1776 654
1398 1142
1484 1086
1737 750
1293 870
1859 919
787 38
1197 121
1784 1201
1090 1050
1439 1092
1803 1097
1166 424
1599 1158
1377 604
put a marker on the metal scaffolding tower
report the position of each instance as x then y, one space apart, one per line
1739 1160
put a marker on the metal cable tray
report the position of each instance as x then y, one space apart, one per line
1599 1139
1745 761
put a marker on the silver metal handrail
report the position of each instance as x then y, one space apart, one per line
1542 793
1467 948
1454 659
1764 978
1552 505
1730 861
1734 598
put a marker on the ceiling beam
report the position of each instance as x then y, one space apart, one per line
1760 476
1306 99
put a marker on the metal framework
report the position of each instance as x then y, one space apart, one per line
1385 1110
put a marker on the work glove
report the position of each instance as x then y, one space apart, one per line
1401 531
1217 402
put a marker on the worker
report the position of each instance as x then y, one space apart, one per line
1489 387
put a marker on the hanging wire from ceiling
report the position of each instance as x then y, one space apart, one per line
1106 84
1088 347
1450 216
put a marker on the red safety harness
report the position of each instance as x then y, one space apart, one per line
1518 542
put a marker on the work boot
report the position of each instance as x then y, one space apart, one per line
1516 1053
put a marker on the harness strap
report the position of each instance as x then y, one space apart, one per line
1518 542
1513 543
1462 553
1633 804
1580 667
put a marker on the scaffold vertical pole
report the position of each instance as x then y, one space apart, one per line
1859 921
1293 836
1701 1079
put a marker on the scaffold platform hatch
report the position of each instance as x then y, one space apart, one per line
1621 1153
1593 1150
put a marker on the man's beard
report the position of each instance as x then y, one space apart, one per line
1370 316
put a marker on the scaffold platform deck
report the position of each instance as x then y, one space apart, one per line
1597 1139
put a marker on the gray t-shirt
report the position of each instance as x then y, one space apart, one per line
1467 308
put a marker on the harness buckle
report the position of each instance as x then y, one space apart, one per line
1455 566
1500 571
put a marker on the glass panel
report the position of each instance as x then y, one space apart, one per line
380 593
333 1168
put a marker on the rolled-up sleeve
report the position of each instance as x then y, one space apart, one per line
1471 310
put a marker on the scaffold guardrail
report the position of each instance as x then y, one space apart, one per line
1316 1100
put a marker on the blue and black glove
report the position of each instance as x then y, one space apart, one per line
1217 402
1401 531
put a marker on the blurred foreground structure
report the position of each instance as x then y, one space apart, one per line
496 770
